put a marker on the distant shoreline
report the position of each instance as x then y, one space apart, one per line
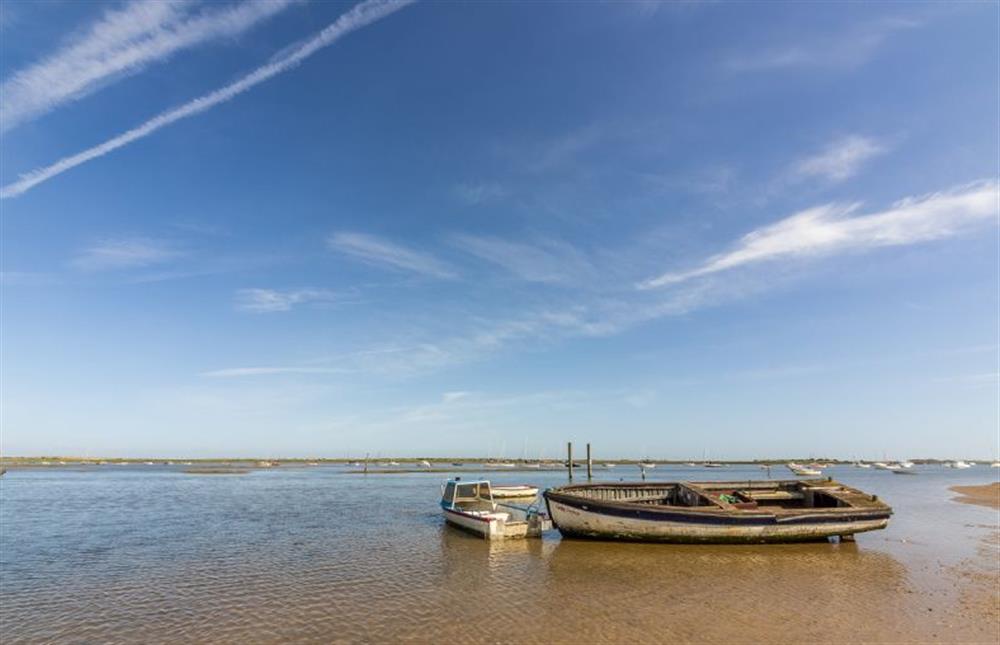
438 461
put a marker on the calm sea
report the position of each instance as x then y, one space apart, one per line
147 553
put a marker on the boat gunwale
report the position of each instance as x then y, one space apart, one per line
717 513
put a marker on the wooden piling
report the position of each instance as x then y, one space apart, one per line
569 459
590 465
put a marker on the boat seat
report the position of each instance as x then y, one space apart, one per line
772 495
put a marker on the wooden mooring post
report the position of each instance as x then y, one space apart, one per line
569 459
590 465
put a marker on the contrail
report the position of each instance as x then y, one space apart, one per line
359 16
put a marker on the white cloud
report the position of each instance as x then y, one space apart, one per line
839 160
124 253
270 300
549 261
831 228
123 41
359 16
380 252
848 49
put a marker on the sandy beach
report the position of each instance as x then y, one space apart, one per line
984 495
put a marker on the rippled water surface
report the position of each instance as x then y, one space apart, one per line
148 553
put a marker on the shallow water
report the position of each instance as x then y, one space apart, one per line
147 553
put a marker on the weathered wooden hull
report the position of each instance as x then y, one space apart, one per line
574 522
618 519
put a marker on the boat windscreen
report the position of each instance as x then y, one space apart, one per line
472 491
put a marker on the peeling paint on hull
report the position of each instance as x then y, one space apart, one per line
572 522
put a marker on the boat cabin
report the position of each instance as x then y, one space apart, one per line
467 496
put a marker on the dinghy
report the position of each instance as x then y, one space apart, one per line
715 512
514 492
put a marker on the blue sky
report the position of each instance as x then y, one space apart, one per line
314 228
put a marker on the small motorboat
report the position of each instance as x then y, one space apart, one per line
610 465
712 464
959 464
646 464
715 512
469 505
514 492
803 471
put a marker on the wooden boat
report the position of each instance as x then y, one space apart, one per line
715 512
469 505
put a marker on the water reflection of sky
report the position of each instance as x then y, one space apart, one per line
308 552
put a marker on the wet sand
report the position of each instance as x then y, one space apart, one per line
984 495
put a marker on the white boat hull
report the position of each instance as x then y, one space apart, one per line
514 492
490 528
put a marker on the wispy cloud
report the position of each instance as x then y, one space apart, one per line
549 261
841 159
123 41
124 253
359 16
833 228
235 372
478 193
271 300
379 252
847 49
557 152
